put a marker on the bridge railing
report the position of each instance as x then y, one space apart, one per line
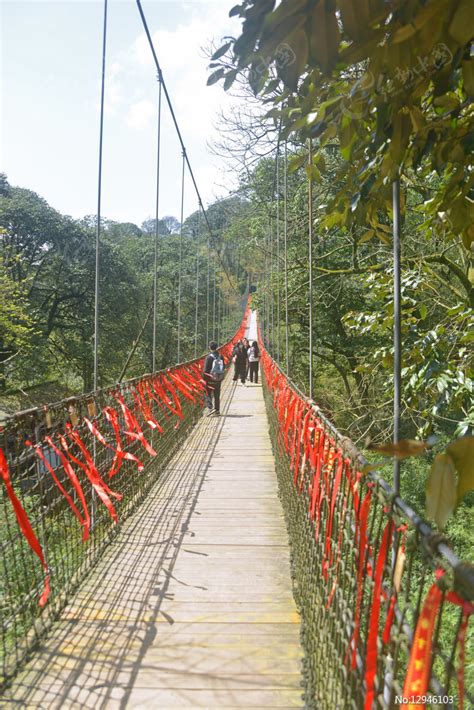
384 601
70 472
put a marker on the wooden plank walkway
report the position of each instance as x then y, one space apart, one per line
191 606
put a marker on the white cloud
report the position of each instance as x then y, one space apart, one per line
140 114
131 107
114 96
184 64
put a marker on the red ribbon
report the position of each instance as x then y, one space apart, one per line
133 427
303 442
89 468
119 454
25 525
77 486
153 394
177 404
160 391
335 491
371 653
288 418
318 488
393 599
418 671
190 380
341 530
140 396
467 609
176 378
301 425
68 469
364 514
193 375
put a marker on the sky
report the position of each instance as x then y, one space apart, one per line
50 93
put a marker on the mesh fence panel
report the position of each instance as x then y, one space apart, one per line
48 496
363 563
57 530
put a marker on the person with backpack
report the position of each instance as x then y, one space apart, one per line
254 357
213 374
239 358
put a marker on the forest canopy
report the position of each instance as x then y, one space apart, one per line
47 294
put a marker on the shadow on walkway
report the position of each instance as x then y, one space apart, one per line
104 633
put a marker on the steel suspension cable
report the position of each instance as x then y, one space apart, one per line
180 268
208 299
219 304
155 275
214 304
226 320
196 312
99 205
267 288
310 258
272 302
285 248
173 115
277 179
397 327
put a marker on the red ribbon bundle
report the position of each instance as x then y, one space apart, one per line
419 666
89 468
25 525
304 440
84 520
164 391
140 395
134 430
119 454
371 653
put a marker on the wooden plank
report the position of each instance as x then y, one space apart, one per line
191 606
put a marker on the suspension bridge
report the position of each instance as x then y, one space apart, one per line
212 593
153 557
191 603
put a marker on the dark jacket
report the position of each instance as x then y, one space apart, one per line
240 354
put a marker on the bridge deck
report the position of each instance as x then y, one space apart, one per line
191 606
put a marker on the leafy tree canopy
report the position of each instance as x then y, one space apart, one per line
390 83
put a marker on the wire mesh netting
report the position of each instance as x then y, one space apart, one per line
57 530
71 472
376 625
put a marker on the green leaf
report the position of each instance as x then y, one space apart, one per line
236 10
215 76
283 15
324 36
462 24
221 51
354 18
367 236
229 79
402 449
441 490
313 173
468 76
291 71
423 16
462 454
296 162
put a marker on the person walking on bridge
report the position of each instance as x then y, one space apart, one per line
213 374
239 358
254 357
